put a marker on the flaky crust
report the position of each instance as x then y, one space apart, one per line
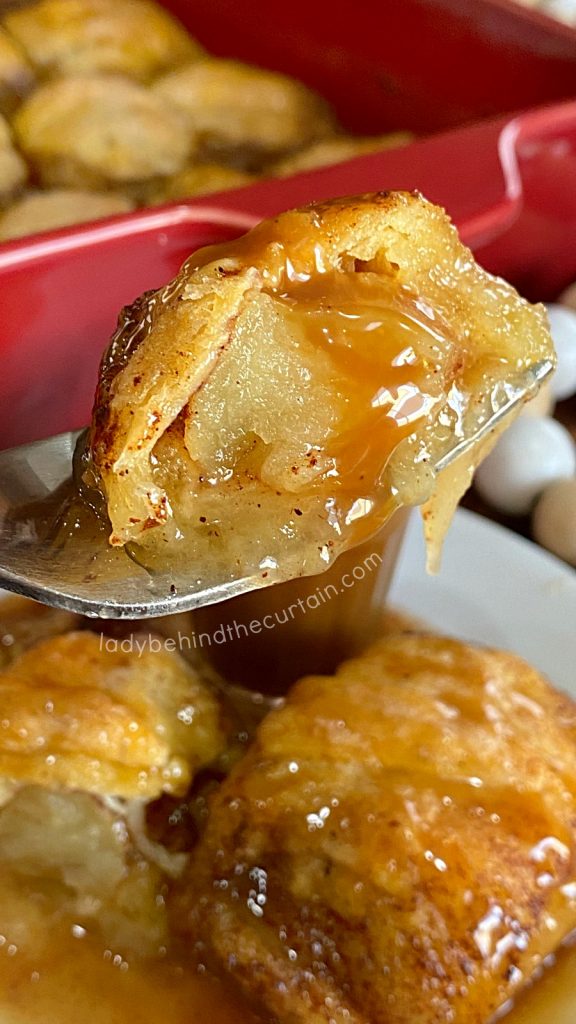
171 343
91 131
136 38
399 845
80 714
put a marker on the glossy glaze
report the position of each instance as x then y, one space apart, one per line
398 845
453 805
313 374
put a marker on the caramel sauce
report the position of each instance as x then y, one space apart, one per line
45 975
372 336
552 998
77 978
77 970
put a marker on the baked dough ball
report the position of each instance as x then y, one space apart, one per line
57 208
16 74
130 723
399 844
200 180
333 150
13 169
137 38
245 114
289 390
88 132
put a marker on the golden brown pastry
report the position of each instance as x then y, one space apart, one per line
57 208
16 74
201 180
335 149
399 845
124 722
277 401
13 170
243 113
91 132
137 38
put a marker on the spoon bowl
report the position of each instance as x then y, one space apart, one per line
54 546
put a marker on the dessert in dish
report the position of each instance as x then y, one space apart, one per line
91 737
115 94
398 845
273 405
100 740
397 841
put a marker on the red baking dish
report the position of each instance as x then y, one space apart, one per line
426 65
419 64
508 184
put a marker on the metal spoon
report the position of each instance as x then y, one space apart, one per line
72 566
